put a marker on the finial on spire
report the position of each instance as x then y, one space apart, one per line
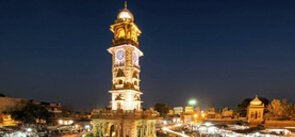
125 4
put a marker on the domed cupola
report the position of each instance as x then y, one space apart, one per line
256 102
125 14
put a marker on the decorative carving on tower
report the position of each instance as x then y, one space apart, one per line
124 29
125 55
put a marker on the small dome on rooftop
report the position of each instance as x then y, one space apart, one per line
125 14
256 101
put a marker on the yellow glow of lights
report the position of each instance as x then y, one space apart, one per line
65 122
60 122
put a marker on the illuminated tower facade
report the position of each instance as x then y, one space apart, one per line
125 63
126 119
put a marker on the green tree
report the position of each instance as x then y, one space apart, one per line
30 112
163 109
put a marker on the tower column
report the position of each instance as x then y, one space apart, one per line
125 63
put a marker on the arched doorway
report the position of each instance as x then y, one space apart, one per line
112 131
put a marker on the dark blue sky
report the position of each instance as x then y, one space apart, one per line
218 51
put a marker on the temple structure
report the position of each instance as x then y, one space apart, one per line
126 117
255 111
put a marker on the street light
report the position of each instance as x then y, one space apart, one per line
192 102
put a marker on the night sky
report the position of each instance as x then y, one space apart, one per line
217 51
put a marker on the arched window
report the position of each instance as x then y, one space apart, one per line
256 114
252 114
120 73
120 81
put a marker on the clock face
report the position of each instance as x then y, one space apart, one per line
135 58
120 54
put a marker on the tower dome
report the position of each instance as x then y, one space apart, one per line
125 14
256 101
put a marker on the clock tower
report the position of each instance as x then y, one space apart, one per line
125 63
126 118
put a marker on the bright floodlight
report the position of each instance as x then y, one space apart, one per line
29 129
87 126
192 102
60 122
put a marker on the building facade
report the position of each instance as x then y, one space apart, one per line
189 116
177 110
227 113
211 113
9 103
126 117
255 111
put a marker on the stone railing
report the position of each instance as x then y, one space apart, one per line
125 114
122 41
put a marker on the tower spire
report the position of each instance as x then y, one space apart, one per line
125 4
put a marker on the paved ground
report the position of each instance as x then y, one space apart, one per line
72 135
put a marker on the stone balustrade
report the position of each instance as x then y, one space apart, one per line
125 114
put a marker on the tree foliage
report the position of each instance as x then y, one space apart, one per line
163 109
30 112
281 110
